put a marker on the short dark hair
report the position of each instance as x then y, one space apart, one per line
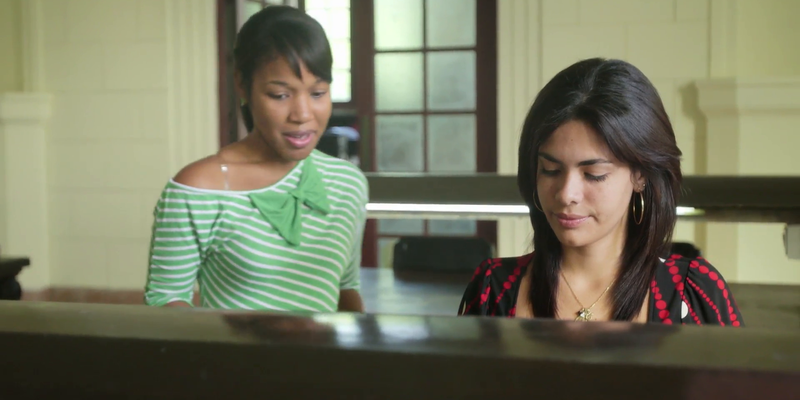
618 101
281 31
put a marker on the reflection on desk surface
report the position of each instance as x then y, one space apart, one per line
609 342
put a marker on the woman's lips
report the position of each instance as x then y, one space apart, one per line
570 221
299 139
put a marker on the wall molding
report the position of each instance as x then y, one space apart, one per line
192 91
86 295
722 39
25 107
748 96
32 54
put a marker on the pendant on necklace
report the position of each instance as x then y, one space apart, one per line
584 314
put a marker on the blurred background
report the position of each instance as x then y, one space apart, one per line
102 101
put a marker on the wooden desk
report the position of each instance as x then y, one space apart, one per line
9 268
99 351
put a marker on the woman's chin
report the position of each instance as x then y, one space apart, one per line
571 238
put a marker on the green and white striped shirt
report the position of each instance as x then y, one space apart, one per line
290 246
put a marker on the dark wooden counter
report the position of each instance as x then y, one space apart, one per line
89 351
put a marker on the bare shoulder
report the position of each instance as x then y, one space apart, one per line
202 174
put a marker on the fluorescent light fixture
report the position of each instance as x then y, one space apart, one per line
447 208
487 209
686 211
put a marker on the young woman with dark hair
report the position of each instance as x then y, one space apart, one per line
267 222
600 171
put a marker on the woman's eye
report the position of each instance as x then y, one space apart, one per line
596 178
549 172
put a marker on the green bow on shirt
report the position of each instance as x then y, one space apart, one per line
284 210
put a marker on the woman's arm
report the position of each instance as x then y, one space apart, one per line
349 297
175 252
350 301
181 233
708 298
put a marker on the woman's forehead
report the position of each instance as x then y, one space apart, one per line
576 141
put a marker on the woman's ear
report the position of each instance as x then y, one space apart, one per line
639 182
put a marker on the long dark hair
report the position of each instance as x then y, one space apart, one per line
280 31
624 108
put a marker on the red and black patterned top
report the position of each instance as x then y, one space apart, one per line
685 291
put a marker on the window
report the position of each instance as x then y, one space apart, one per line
417 80
334 16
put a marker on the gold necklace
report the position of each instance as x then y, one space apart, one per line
585 314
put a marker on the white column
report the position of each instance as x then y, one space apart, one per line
519 79
717 101
723 38
23 160
192 103
751 132
23 118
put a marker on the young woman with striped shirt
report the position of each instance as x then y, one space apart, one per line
268 222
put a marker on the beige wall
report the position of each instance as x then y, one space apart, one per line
106 63
10 46
768 38
676 43
10 79
133 83
133 86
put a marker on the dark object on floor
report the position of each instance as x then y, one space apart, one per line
440 254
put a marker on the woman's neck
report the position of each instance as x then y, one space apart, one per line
591 264
253 149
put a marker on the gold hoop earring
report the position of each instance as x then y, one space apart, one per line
639 220
538 207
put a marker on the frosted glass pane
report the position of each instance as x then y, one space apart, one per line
450 23
338 24
398 141
251 8
335 22
398 82
451 81
398 24
321 15
453 227
341 53
309 4
340 88
452 143
401 227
